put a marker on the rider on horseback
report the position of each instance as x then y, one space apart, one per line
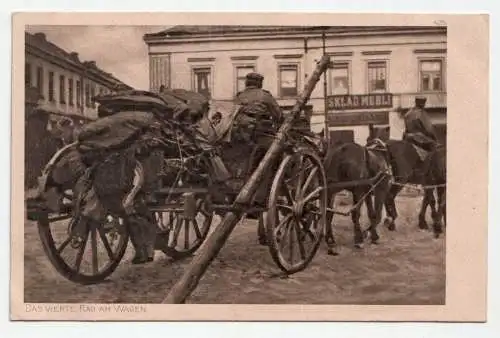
419 131
418 126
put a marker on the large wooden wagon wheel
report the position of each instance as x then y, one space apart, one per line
297 210
91 260
103 246
179 236
184 219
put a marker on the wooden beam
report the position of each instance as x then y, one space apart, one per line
189 281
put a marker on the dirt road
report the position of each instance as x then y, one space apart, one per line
407 267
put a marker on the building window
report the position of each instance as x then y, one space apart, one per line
241 73
27 74
92 95
431 75
71 92
288 78
51 87
339 78
39 80
377 76
78 94
102 91
202 78
62 89
87 95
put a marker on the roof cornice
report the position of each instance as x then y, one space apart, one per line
299 34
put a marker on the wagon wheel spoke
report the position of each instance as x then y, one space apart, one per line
197 229
288 194
314 195
309 179
290 244
95 258
298 189
79 256
283 224
107 246
186 234
300 242
63 245
177 230
307 227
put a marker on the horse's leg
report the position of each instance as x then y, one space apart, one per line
428 201
438 216
390 207
261 232
380 196
329 238
355 215
432 202
372 217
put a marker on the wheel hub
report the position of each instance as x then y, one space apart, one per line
298 209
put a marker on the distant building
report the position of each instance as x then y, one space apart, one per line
66 83
374 70
64 88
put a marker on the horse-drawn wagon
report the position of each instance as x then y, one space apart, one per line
292 211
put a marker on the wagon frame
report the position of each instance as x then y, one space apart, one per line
296 206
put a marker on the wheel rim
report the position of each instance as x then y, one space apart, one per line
96 257
179 236
297 211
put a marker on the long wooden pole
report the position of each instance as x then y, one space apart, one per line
325 94
189 281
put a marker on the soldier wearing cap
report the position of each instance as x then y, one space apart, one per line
259 103
418 127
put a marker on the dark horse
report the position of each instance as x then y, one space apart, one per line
404 162
352 162
408 168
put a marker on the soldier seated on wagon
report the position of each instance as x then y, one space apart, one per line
258 106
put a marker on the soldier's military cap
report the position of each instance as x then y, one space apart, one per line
254 76
419 100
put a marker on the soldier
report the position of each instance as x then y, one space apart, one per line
418 127
259 103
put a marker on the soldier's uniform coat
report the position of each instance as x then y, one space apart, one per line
259 102
419 128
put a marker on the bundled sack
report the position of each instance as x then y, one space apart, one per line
134 100
116 131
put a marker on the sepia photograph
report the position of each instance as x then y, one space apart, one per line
234 164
